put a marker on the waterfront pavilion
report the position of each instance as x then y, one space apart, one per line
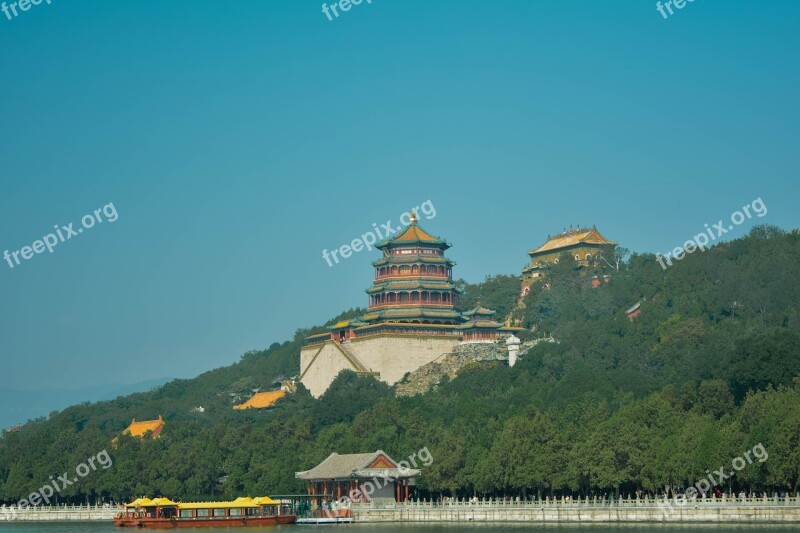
362 477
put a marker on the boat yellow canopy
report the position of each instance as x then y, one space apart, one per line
163 502
238 503
140 502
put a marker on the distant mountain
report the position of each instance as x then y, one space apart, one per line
19 406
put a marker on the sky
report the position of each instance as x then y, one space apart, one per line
232 142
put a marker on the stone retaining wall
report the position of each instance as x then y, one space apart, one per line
767 510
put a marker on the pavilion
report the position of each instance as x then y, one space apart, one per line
363 477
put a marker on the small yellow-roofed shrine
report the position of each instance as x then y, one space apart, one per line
140 429
262 400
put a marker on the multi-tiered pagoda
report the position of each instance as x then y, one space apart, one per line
412 319
413 281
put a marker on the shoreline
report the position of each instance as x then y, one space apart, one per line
751 511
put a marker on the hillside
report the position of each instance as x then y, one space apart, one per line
707 370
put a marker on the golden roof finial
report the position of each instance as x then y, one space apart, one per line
413 217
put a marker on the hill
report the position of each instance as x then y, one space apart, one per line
708 370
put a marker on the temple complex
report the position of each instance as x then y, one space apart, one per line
583 245
413 317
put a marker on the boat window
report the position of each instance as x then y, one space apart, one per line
202 513
186 513
219 512
236 512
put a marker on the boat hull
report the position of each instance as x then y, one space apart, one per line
239 521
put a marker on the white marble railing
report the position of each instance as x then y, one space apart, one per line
58 512
753 501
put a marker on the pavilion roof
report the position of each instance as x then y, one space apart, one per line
140 429
572 238
357 465
262 400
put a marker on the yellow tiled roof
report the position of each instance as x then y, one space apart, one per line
262 400
582 236
415 233
138 429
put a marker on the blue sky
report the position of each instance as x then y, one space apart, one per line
237 140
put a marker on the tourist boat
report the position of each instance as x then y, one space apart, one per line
164 513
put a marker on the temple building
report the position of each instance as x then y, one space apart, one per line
262 400
583 245
362 477
143 428
413 317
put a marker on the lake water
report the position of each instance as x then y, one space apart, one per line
76 527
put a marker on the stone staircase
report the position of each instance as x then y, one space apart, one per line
358 366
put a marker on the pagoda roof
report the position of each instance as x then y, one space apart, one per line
410 325
573 237
412 258
411 312
481 311
412 284
490 324
140 429
420 312
413 234
262 400
355 323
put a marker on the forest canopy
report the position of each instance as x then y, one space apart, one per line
706 371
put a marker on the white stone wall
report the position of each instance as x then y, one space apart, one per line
394 356
390 355
327 365
733 514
